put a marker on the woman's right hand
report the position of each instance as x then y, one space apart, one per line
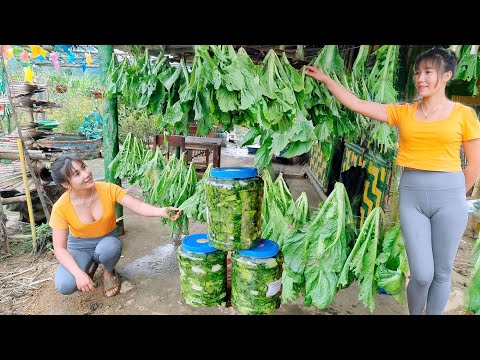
84 282
315 73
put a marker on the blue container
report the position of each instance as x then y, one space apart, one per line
234 172
203 275
262 250
197 243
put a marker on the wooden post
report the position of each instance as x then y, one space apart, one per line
110 127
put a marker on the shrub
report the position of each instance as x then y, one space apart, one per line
141 125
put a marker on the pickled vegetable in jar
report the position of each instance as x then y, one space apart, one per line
257 278
203 275
234 207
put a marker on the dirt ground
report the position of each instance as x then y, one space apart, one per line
149 268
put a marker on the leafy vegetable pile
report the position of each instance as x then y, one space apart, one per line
234 212
203 277
256 283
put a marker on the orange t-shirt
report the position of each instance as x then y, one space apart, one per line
436 145
64 216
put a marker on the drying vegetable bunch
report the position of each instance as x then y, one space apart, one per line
472 302
280 213
194 206
376 261
149 173
392 265
129 160
327 114
256 283
203 279
315 254
175 185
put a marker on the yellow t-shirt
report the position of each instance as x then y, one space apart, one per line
436 145
64 216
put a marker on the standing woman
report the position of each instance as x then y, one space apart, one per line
432 189
84 230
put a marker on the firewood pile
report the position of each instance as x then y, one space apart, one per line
11 176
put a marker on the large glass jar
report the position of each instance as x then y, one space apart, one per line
203 272
257 278
234 207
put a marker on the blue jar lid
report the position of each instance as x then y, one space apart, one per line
264 249
234 172
197 243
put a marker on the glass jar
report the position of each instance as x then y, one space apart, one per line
203 275
257 278
234 207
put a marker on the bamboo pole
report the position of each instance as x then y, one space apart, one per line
110 127
27 194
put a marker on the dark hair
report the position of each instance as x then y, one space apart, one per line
62 169
442 59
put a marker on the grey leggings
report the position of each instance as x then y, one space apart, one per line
105 249
433 218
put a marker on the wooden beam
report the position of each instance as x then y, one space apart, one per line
12 200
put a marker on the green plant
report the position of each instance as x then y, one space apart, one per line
72 113
44 237
137 122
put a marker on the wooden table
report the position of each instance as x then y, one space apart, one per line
213 145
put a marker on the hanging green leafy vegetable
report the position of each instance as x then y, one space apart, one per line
381 84
315 254
468 66
360 264
392 265
194 206
472 302
128 160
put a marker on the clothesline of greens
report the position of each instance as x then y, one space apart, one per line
286 109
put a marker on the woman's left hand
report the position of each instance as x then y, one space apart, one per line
171 213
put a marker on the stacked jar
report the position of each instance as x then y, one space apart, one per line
257 278
234 217
203 275
234 207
